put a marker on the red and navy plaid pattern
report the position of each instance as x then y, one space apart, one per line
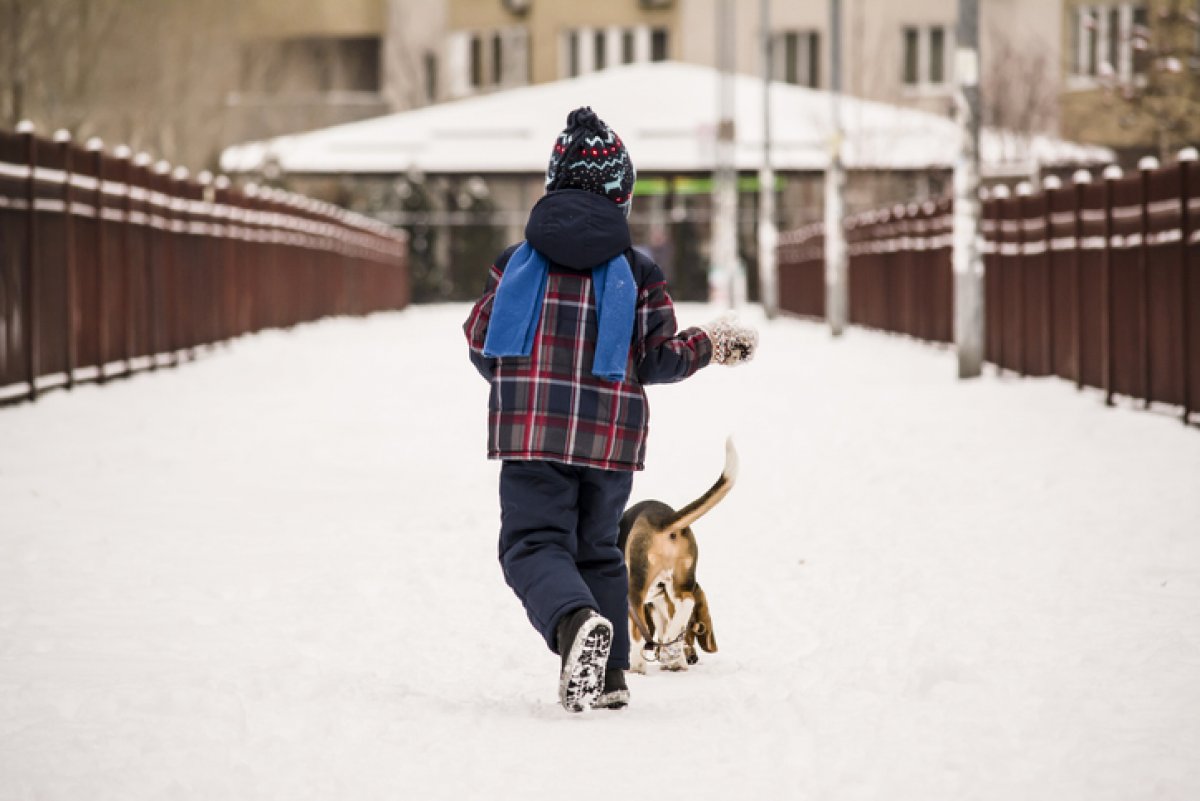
548 405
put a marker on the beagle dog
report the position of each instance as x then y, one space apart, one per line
668 611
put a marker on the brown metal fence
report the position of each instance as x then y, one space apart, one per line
899 265
1094 281
802 284
110 265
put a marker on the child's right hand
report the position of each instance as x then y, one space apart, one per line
733 343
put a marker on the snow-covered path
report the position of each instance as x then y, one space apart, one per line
271 575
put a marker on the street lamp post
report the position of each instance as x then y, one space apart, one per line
836 283
723 264
768 235
968 263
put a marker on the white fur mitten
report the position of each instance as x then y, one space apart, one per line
733 343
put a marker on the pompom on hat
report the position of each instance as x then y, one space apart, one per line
588 155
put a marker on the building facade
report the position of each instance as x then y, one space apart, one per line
1132 75
185 80
899 53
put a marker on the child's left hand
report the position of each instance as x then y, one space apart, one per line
733 343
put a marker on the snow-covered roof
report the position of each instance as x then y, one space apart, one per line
667 114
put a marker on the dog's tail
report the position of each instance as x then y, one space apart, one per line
699 507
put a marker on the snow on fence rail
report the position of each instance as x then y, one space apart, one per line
1094 281
110 264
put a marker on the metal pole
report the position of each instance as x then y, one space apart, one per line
768 234
724 229
968 263
836 283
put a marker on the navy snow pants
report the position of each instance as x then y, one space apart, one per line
558 545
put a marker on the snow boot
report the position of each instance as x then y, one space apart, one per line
616 693
584 639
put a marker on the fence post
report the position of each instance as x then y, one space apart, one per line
184 274
125 156
1146 166
62 138
1112 174
206 246
166 318
96 147
1000 193
30 322
1081 179
144 164
1051 183
1024 190
1187 158
221 187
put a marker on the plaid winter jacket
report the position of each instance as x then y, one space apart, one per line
548 405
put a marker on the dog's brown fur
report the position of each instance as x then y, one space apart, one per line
660 553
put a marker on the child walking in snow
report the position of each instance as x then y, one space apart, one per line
572 324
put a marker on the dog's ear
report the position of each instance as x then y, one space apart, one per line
702 623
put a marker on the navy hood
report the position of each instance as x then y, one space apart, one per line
578 229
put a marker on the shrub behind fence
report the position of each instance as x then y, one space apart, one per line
1096 282
109 264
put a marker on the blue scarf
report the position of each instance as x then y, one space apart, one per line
517 310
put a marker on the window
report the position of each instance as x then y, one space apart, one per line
1114 40
1092 29
312 64
1107 41
586 50
925 57
1077 41
791 50
476 62
481 60
598 49
658 44
911 57
430 77
796 58
497 59
1140 43
572 53
814 60
937 55
516 57
359 60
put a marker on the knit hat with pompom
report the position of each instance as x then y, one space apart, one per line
588 155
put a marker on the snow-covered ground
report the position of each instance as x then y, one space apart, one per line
271 574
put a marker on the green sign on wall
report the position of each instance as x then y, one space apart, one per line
697 185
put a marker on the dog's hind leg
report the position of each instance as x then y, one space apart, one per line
674 629
637 642
702 623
